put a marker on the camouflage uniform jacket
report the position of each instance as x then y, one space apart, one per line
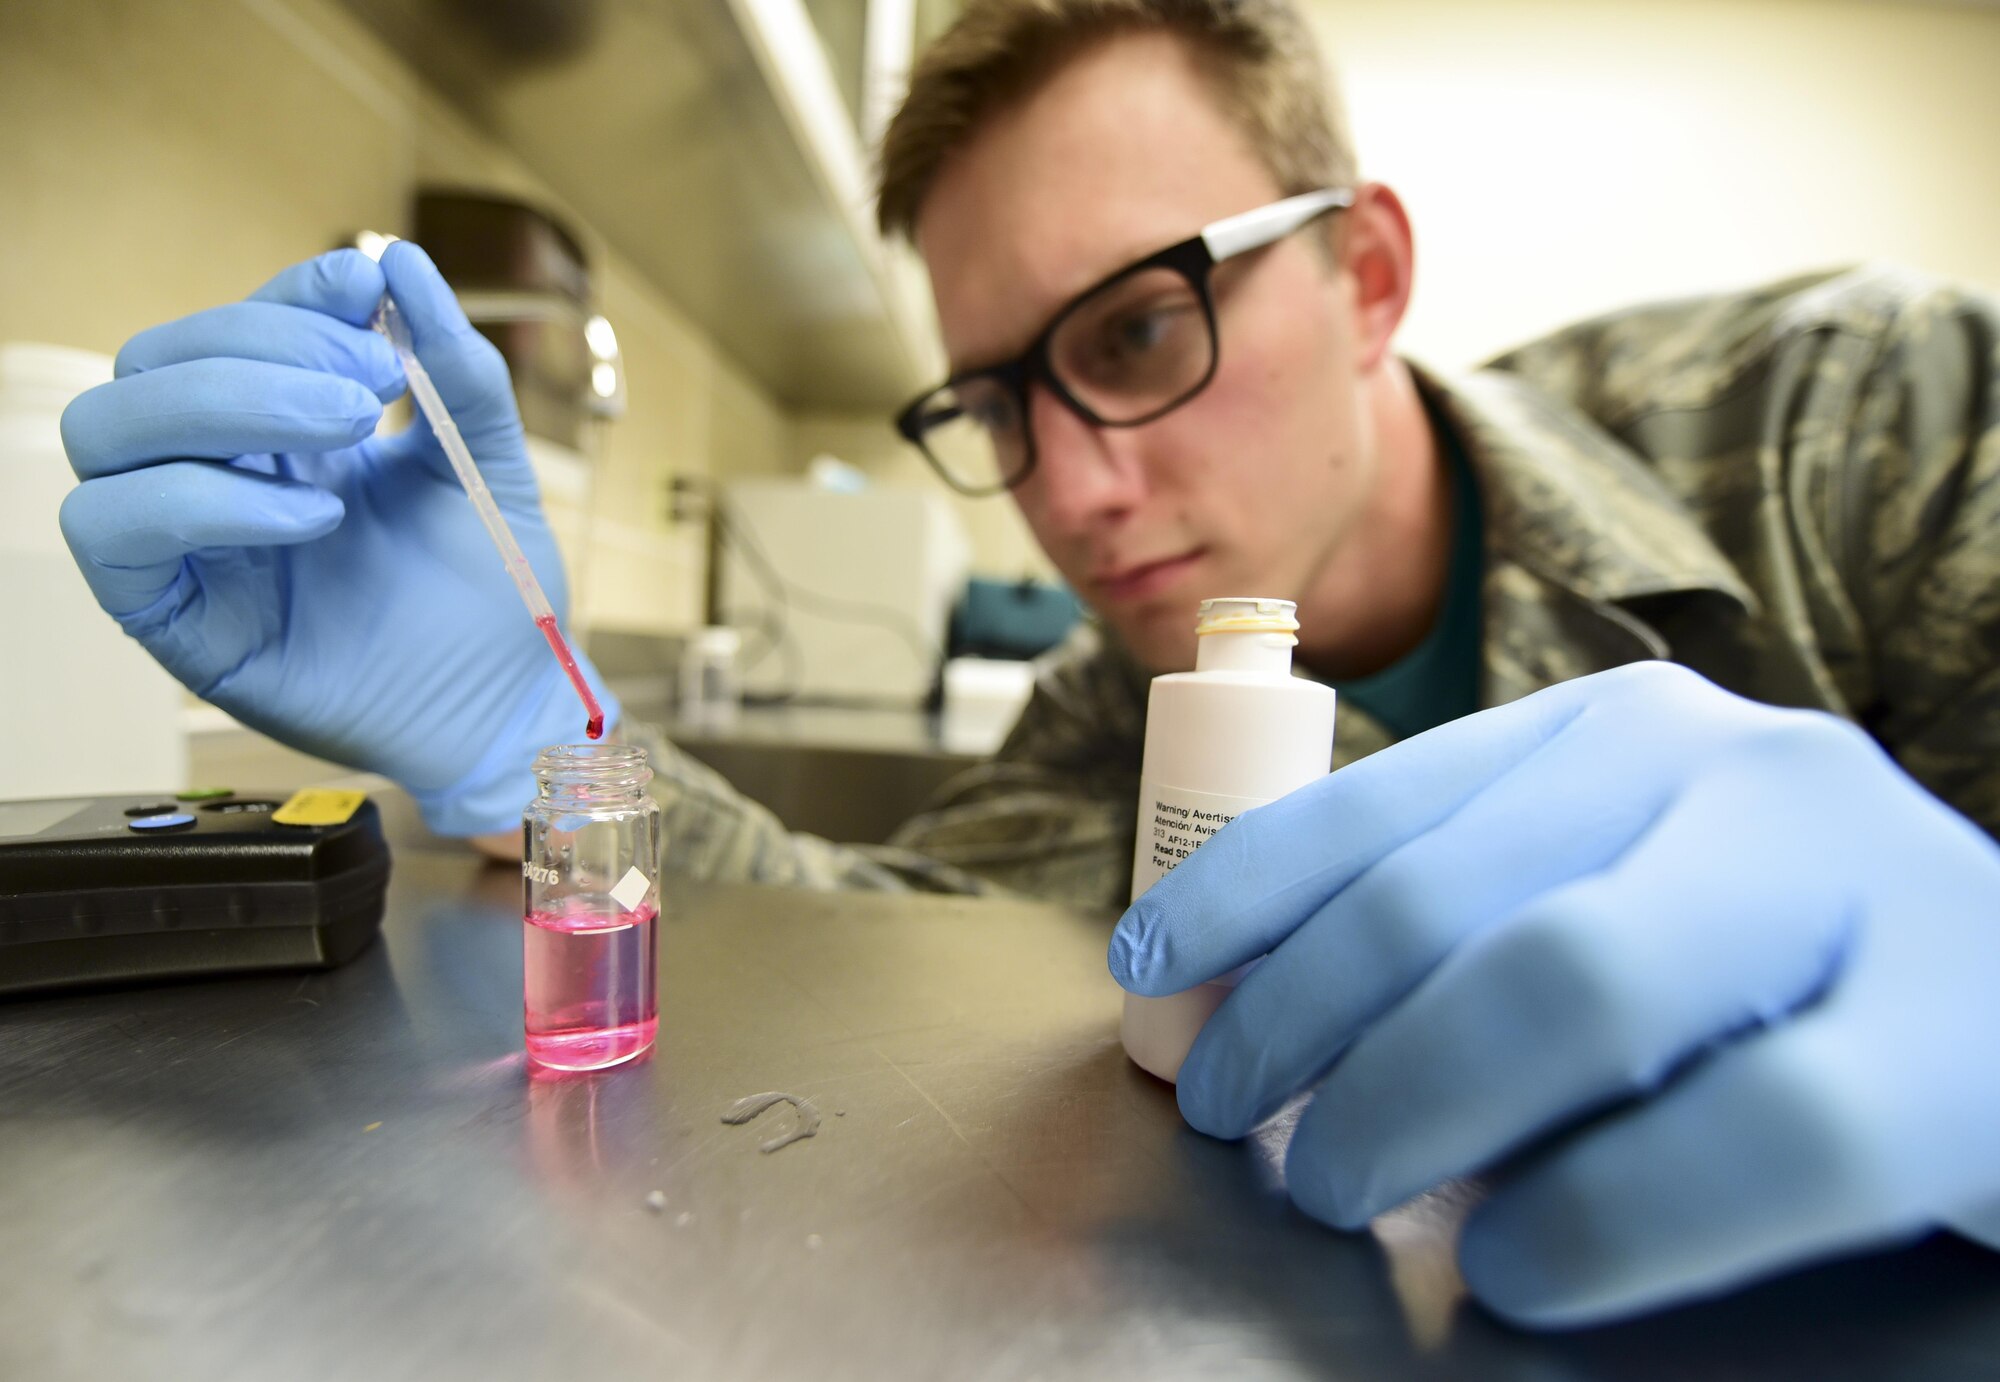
1794 491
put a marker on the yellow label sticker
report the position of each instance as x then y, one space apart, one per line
319 806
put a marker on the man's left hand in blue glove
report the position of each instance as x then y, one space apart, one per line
1709 989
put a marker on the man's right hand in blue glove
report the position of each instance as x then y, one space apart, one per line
331 588
1705 987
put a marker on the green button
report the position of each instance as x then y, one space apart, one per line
204 793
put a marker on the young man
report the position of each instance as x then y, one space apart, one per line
1710 978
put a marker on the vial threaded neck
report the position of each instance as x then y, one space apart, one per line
592 769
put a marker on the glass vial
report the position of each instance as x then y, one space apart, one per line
711 687
590 882
1236 732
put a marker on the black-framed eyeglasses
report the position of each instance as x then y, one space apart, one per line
1137 344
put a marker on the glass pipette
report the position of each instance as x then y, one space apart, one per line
389 321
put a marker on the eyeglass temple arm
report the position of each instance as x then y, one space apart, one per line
1255 229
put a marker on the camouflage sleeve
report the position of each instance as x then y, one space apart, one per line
712 831
1054 815
1051 817
1924 560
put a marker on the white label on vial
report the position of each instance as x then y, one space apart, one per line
1173 823
631 889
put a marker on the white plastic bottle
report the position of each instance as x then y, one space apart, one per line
1236 732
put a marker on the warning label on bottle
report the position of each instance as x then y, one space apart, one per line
1173 823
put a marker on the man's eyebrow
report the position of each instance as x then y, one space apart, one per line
984 362
987 360
953 369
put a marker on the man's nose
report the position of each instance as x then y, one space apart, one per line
1084 474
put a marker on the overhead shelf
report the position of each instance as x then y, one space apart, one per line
708 142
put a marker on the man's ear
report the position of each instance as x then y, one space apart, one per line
1373 241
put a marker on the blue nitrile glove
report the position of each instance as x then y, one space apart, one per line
331 588
1761 961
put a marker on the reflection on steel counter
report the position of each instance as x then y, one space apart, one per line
221 1179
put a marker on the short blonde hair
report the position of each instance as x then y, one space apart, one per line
1259 55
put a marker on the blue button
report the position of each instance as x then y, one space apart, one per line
172 820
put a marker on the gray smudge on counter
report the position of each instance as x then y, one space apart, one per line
743 1110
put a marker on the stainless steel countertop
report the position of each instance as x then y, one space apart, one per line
353 1175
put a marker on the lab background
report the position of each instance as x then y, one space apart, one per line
711 161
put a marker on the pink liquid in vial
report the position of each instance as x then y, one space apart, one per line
593 727
591 1000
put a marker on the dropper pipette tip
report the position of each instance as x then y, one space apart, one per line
389 321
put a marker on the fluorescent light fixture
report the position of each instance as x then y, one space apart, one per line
603 341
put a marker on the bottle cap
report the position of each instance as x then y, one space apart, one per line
1246 614
718 640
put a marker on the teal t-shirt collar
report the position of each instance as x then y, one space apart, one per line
1438 680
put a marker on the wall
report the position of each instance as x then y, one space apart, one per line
159 158
1562 157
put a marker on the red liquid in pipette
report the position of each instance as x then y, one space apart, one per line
594 727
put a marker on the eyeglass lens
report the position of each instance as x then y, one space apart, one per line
1133 348
973 431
